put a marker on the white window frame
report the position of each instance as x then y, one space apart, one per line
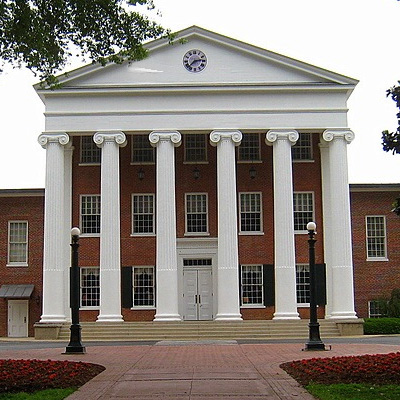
243 232
303 231
9 243
153 231
81 216
186 161
243 267
144 307
92 150
300 146
374 258
240 147
306 268
88 269
149 149
206 232
369 310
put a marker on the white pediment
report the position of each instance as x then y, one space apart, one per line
229 62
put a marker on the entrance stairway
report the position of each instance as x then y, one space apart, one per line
205 330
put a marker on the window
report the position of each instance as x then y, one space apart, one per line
90 152
90 214
250 212
376 308
303 210
303 284
302 150
249 149
252 285
143 286
17 243
195 148
196 213
143 214
90 287
142 150
376 237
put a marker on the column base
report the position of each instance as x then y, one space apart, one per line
286 316
228 317
53 319
167 318
343 315
110 318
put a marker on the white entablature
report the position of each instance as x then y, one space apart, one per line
239 83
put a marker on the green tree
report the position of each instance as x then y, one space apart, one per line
43 34
391 140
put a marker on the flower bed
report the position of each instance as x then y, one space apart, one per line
378 369
33 375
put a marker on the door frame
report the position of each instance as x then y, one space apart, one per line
10 302
197 248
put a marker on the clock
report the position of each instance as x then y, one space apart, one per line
194 60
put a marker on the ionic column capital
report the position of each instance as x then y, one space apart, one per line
110 136
333 134
156 137
281 134
218 135
53 137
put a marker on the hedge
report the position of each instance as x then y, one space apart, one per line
381 326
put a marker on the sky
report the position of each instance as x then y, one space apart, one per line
356 38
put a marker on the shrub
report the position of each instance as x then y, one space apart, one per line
381 326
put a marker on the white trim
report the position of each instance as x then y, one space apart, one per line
185 161
259 232
18 263
385 257
252 305
304 231
206 233
147 307
136 234
88 234
259 159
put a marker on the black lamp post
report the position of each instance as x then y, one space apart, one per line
75 345
314 342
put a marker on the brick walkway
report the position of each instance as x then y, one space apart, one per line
195 371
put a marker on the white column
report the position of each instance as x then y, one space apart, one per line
326 211
68 152
228 251
55 243
166 257
110 252
340 225
284 245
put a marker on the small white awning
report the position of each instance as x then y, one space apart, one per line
16 291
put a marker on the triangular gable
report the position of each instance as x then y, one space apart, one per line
230 62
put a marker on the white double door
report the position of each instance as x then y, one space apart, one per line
197 294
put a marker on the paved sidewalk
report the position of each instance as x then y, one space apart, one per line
195 371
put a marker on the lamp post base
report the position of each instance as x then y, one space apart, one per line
75 346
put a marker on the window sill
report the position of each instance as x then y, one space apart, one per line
196 234
377 259
251 233
303 232
252 306
249 162
195 162
303 305
303 161
89 308
89 164
89 235
17 265
143 234
143 163
143 308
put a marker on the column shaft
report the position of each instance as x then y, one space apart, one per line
55 242
228 251
110 256
284 245
166 257
340 225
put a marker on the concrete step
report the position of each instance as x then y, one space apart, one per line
206 330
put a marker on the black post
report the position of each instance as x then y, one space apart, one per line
75 345
314 342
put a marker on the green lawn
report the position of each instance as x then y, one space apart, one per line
48 394
354 391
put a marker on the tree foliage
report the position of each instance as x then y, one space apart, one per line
391 140
42 34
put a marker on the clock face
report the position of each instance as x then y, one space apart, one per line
195 60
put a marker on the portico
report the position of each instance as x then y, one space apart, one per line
204 273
